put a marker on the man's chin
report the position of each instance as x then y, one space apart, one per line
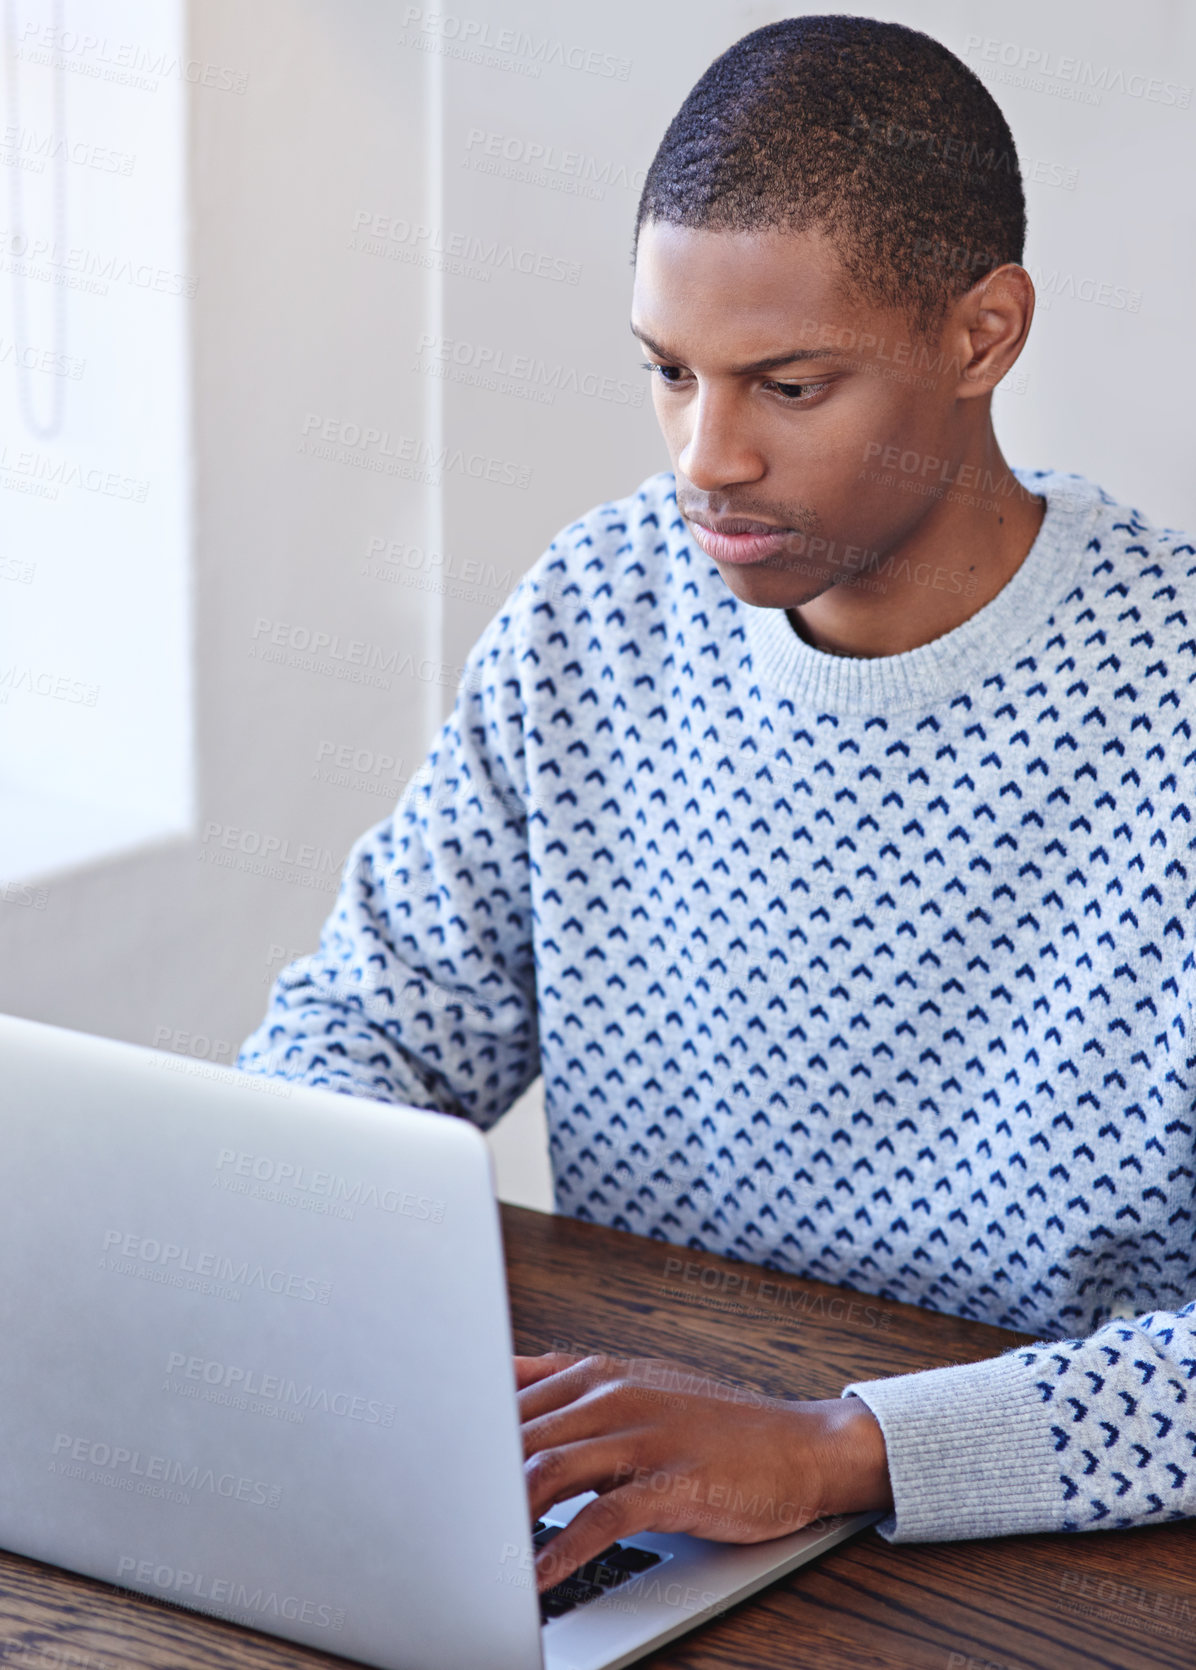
766 586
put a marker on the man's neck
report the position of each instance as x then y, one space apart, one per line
957 560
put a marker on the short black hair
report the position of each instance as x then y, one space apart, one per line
872 131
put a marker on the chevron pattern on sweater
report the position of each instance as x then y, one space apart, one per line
896 996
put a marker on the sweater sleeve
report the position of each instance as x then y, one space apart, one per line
422 989
1068 1435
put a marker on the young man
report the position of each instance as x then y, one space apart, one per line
817 821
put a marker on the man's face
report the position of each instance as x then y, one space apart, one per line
797 444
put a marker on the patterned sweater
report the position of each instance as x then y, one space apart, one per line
877 971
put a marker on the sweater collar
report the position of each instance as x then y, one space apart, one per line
961 658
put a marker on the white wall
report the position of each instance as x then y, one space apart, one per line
95 665
295 122
291 324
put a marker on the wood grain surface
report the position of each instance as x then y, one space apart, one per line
1106 1600
1111 1600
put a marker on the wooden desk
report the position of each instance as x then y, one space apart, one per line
1121 1600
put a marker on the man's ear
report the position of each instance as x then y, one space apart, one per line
989 327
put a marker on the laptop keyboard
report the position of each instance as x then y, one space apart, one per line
606 1571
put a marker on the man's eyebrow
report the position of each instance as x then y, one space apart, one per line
794 357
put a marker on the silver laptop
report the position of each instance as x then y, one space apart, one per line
256 1361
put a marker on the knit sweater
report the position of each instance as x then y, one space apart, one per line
872 970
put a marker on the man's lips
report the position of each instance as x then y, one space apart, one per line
740 540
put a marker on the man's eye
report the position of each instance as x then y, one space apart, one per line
651 365
795 392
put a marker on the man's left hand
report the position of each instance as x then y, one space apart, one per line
670 1449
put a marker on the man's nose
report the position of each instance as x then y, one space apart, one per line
718 450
